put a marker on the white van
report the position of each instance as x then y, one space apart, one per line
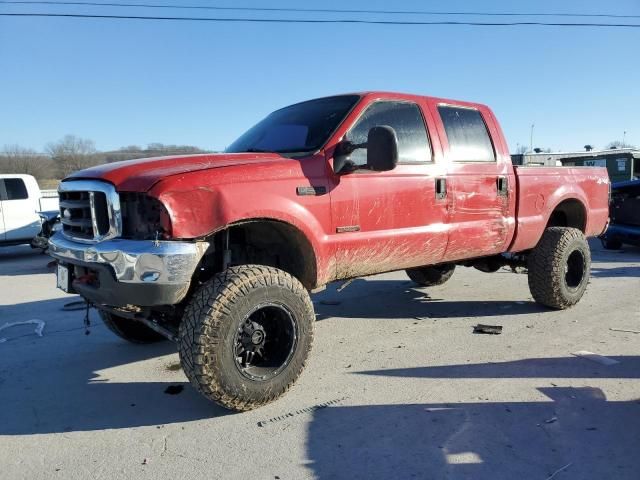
20 202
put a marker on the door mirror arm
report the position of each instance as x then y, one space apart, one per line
341 161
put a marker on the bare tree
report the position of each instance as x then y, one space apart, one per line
619 144
521 150
17 159
152 150
73 153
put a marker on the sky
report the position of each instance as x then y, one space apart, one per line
131 82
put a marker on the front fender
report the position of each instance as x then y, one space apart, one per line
202 211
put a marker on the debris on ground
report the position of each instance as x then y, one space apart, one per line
594 357
559 470
344 285
145 461
551 420
38 330
311 409
74 306
174 389
488 329
624 330
174 367
329 302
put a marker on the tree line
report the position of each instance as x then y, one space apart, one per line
73 153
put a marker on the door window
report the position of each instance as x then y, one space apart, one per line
467 135
15 189
406 119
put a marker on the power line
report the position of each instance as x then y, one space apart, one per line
319 10
321 21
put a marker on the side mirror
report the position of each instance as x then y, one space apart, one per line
382 149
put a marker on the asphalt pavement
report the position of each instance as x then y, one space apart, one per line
397 386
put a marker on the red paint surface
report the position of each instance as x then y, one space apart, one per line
401 223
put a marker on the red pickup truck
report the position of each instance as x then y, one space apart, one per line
219 252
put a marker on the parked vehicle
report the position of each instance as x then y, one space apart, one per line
20 203
218 252
625 216
50 222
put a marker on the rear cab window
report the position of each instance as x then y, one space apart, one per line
467 134
13 189
407 121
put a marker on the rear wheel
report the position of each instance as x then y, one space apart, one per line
559 267
246 335
130 330
431 276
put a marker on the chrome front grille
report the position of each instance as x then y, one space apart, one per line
89 211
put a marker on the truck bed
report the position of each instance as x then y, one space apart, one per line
538 195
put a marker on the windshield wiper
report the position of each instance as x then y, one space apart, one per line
258 150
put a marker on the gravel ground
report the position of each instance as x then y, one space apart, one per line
397 386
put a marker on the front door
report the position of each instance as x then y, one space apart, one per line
385 221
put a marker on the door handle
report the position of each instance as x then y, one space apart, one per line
502 185
441 188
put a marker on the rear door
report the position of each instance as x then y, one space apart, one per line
479 186
21 222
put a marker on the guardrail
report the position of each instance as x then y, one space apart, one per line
49 193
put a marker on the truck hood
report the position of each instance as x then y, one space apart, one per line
141 174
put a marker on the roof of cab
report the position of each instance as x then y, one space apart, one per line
415 97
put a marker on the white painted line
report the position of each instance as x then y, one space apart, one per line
38 330
463 458
594 357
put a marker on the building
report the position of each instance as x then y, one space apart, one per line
622 163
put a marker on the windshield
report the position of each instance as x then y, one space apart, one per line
301 127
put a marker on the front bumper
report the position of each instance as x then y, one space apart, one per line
130 272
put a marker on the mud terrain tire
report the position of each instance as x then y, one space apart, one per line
559 267
431 276
130 330
246 335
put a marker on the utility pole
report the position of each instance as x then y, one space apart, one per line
624 136
531 139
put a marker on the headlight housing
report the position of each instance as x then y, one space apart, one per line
144 217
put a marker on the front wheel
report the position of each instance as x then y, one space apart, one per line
246 335
431 276
559 267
